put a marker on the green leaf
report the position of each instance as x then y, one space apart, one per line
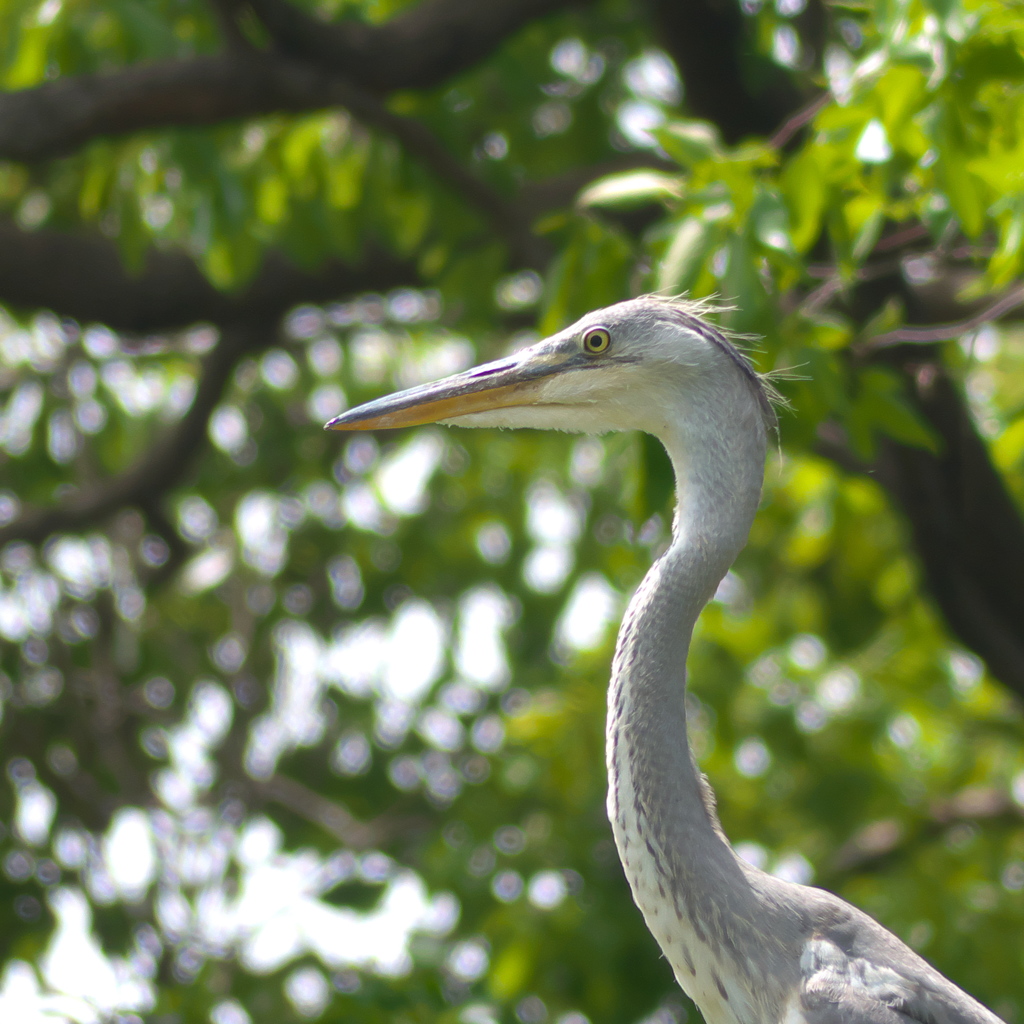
684 256
1008 448
984 59
881 405
825 379
770 220
345 177
742 289
868 233
272 199
690 142
962 188
803 187
634 188
900 91
511 970
658 477
1006 260
299 146
590 272
888 318
30 66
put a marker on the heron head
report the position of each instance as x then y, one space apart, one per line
627 367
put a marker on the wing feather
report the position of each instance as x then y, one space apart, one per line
838 986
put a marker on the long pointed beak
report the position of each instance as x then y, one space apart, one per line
503 384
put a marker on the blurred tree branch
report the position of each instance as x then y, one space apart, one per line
1007 303
317 66
504 215
887 837
333 817
966 528
82 276
163 465
423 46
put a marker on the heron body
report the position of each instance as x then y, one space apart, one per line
747 947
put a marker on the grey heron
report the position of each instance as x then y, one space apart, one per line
747 947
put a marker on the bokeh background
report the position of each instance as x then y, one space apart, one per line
299 726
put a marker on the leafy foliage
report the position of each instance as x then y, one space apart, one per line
317 732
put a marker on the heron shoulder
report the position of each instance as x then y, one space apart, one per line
855 972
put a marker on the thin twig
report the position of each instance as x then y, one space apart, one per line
331 816
798 120
912 233
885 837
832 283
943 332
821 295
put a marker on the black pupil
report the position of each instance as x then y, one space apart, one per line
597 340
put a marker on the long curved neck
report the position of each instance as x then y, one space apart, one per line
672 848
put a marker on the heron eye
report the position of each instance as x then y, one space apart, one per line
596 340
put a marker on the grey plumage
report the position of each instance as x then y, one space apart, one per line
747 947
